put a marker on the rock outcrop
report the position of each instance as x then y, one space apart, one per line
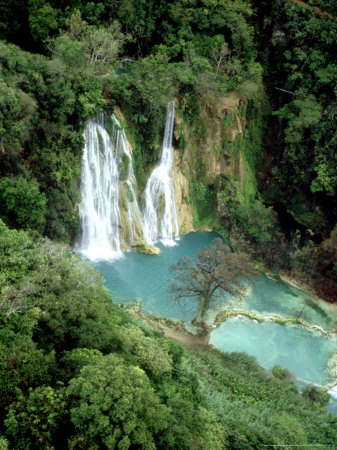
218 154
182 190
143 247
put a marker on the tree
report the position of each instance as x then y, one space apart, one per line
43 19
115 406
36 420
215 272
11 122
22 203
153 78
102 45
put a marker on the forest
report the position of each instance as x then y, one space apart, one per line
77 370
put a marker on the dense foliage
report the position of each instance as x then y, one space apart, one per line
301 63
78 372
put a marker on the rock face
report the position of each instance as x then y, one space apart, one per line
182 190
218 152
225 121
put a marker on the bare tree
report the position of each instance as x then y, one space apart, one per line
220 54
214 272
15 300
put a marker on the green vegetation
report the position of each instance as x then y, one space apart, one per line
306 62
78 372
23 205
297 51
204 204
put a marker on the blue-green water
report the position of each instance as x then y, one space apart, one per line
305 353
145 277
268 297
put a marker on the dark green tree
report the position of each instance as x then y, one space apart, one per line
36 420
22 204
115 406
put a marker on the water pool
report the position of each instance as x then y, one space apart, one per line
139 277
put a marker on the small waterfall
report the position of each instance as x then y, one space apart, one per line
108 210
160 216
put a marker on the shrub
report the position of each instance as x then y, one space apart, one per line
22 205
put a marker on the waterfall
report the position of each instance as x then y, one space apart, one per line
109 209
160 216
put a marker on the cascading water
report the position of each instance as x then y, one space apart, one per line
133 224
160 215
109 211
107 192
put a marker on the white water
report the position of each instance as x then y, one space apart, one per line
105 157
134 214
160 215
109 211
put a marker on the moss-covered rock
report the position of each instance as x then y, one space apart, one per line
143 247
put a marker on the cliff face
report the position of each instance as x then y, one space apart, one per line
222 122
182 190
218 153
214 152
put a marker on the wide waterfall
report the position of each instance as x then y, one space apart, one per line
108 210
160 215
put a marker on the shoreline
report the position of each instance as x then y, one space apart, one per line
298 284
172 329
282 274
178 332
224 315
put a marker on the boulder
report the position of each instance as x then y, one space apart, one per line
143 247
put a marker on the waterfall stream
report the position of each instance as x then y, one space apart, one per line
160 215
109 209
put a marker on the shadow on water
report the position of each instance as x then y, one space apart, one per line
311 304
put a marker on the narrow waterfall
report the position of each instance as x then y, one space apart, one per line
160 215
108 210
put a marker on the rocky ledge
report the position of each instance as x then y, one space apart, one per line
143 247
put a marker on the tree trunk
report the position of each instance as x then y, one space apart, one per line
198 318
202 308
